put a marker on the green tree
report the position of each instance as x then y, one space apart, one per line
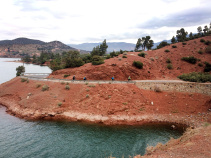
206 30
199 29
191 36
162 44
150 44
20 69
103 48
26 58
173 40
181 35
138 45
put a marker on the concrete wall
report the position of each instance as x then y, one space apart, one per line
191 87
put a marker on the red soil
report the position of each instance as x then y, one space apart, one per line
155 66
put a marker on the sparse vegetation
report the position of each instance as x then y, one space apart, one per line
208 50
125 103
174 46
202 40
168 60
207 42
169 66
200 51
38 85
62 82
138 64
59 104
45 88
87 96
190 59
167 50
183 43
67 87
124 56
24 79
196 77
66 75
200 64
207 67
91 85
142 54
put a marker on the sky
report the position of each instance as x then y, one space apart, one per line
87 21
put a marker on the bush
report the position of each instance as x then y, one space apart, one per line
202 40
67 87
169 66
200 51
208 50
190 59
207 67
62 82
196 77
108 57
59 104
66 75
45 88
24 79
142 55
168 60
167 50
38 85
124 56
174 46
97 60
207 42
200 64
138 64
183 43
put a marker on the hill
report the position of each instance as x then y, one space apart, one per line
21 46
155 65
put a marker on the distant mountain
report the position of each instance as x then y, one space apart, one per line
112 46
21 46
21 41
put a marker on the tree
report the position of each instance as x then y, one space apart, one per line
100 49
20 69
173 40
206 30
162 44
26 58
138 45
199 29
181 35
150 44
191 36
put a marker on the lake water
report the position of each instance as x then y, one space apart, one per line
20 138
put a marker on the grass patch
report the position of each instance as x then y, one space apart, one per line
208 50
196 77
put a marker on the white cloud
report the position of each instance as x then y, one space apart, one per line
78 21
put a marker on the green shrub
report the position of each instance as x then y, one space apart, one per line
208 50
200 64
87 96
174 46
62 82
59 104
207 67
108 57
38 85
138 64
196 77
169 66
97 60
190 59
207 42
67 87
24 79
202 40
167 50
200 51
168 60
142 55
45 88
183 43
66 75
124 56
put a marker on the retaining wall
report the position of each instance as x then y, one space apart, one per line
191 87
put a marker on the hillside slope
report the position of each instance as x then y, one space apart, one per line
155 66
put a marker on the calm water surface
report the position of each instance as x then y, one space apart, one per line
23 139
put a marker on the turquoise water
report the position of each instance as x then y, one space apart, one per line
23 139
